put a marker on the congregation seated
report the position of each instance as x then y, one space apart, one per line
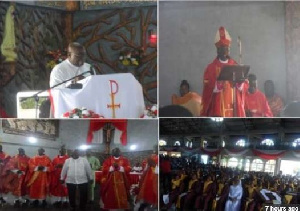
206 192
210 187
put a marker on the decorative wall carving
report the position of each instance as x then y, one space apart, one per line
47 129
106 33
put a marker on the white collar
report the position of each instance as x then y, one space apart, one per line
223 62
116 158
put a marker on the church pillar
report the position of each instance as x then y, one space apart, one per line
227 160
244 164
251 161
277 166
264 165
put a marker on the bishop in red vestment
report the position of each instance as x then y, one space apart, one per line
4 159
16 181
57 189
115 193
40 167
256 104
217 97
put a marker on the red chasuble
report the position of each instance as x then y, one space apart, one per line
39 180
115 193
221 103
16 183
3 165
257 104
149 182
56 188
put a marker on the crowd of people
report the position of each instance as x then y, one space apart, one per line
33 180
211 187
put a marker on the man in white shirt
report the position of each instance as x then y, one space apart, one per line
77 173
71 67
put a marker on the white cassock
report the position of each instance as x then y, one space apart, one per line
64 71
234 192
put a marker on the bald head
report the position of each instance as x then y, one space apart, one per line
76 54
41 151
116 152
21 151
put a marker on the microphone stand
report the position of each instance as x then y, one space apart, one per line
37 98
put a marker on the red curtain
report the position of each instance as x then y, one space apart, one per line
96 125
268 156
213 152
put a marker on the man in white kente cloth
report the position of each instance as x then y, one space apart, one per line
235 195
74 65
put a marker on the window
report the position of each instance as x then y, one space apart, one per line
296 143
267 142
240 143
177 143
232 162
162 143
218 119
223 162
223 144
204 159
191 144
270 166
176 154
257 165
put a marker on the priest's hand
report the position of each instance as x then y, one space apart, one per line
41 168
122 169
78 78
111 168
218 86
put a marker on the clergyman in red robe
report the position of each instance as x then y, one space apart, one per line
4 159
256 103
115 187
40 167
16 181
217 97
148 193
57 189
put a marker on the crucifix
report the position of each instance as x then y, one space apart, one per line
108 136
